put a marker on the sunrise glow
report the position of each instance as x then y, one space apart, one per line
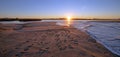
68 20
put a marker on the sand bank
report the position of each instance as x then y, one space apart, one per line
50 40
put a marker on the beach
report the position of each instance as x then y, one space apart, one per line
46 39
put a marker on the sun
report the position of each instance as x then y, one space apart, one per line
68 20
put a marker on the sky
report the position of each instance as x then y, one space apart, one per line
60 8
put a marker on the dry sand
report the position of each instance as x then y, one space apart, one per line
47 40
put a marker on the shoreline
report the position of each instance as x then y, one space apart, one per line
47 40
94 37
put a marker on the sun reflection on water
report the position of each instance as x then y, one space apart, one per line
68 20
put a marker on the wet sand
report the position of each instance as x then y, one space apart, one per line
48 40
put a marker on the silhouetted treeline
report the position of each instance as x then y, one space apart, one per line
37 19
19 19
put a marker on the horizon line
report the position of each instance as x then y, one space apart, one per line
53 18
